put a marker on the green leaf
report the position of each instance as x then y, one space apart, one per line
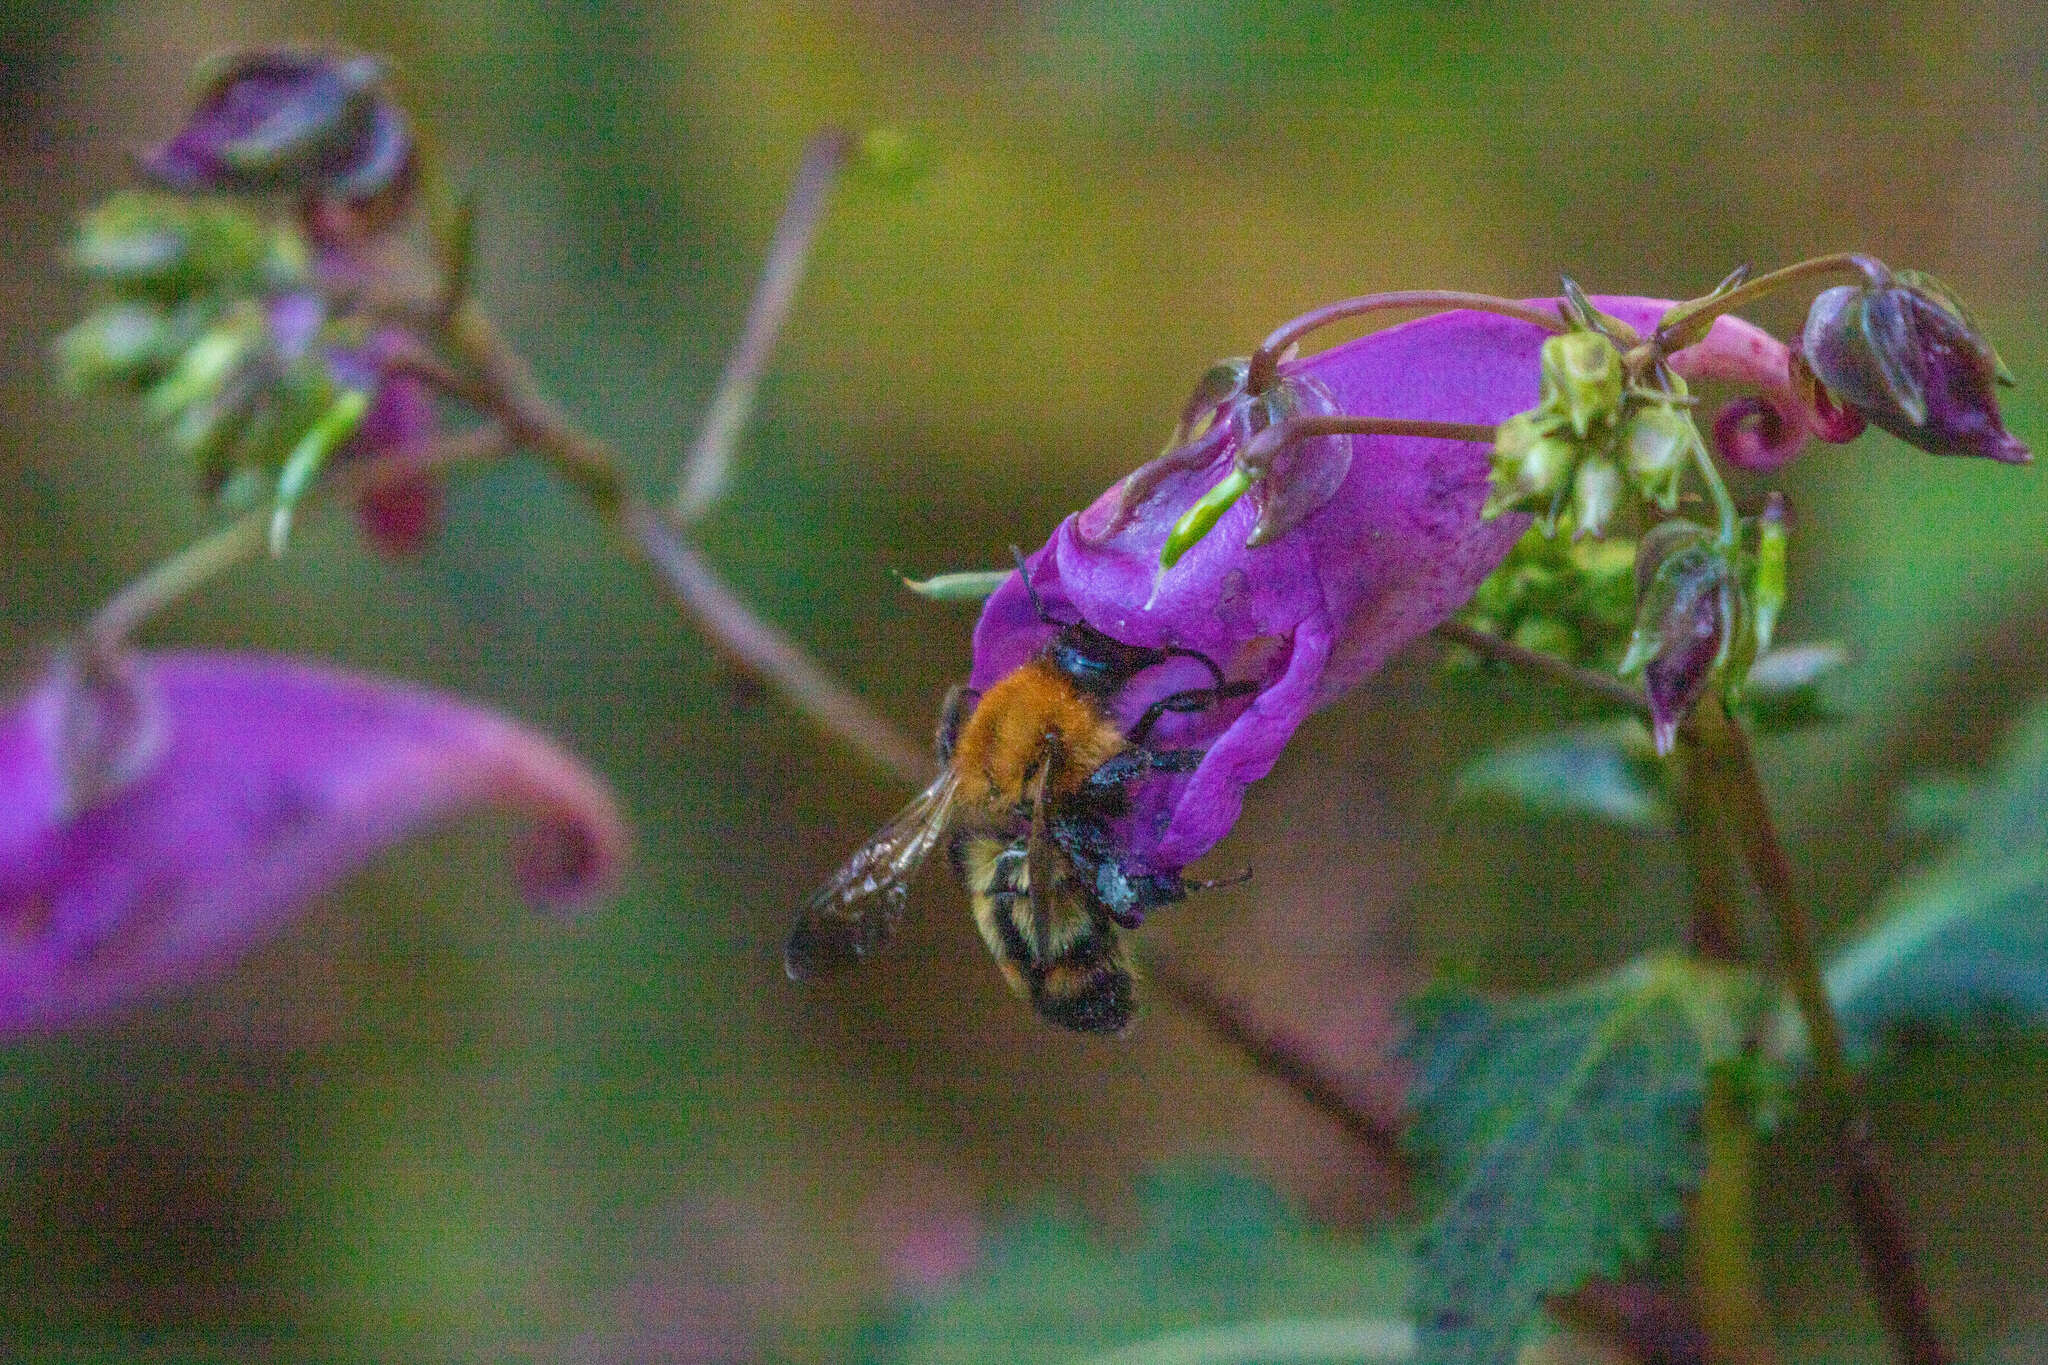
1607 770
1959 949
1220 1271
1568 1127
1964 944
1782 692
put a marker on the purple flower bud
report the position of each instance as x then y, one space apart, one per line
296 122
1688 615
266 782
1908 358
1398 546
400 516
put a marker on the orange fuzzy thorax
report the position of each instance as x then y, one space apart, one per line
1004 740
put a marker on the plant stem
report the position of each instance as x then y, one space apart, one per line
1717 899
1259 452
1358 1341
1889 1264
1265 363
1688 322
1487 645
246 537
764 651
510 392
702 477
1722 1242
175 578
1285 1059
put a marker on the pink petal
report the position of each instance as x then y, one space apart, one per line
276 780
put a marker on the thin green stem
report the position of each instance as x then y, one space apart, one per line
1890 1265
1260 452
247 536
1725 511
176 578
1688 322
1722 1234
1265 363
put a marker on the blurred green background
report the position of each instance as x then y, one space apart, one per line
427 1124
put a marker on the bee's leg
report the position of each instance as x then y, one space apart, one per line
1129 765
1187 703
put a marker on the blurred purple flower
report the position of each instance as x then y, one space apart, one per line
1397 547
283 120
264 782
400 515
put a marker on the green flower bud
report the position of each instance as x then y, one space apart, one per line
1767 591
1596 493
124 345
1660 442
153 246
1582 379
1531 461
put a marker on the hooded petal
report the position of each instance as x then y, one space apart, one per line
274 780
1398 547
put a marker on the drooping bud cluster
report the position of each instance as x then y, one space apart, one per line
1908 357
216 308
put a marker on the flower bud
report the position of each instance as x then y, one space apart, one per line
1767 587
124 345
1685 624
1582 379
1907 357
279 120
1660 443
153 247
1531 461
1596 493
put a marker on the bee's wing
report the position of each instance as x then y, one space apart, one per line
856 911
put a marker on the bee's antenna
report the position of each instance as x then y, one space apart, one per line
1025 574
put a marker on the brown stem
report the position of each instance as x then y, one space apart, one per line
1259 452
1490 646
1688 322
702 477
1715 931
1890 1268
1265 363
1283 1058
765 651
1650 1325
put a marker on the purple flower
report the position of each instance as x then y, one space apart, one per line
259 783
1396 548
1909 358
402 514
280 120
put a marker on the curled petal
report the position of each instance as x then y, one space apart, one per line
1398 545
1766 431
275 780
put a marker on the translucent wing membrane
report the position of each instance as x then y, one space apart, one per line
856 911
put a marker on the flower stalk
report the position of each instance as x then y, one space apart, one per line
1265 362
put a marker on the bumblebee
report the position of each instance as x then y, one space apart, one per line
1032 772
